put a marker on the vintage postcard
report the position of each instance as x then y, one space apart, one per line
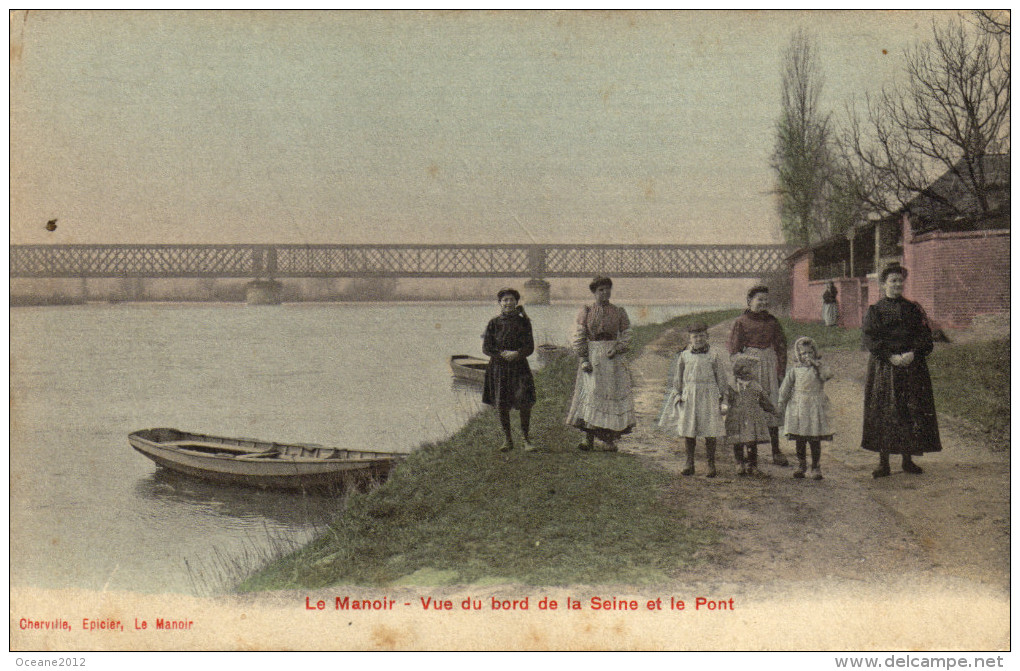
436 330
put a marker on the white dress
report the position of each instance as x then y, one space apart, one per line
699 381
603 402
802 395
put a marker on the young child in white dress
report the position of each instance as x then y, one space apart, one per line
804 405
693 403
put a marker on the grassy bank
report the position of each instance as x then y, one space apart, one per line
676 329
461 512
971 381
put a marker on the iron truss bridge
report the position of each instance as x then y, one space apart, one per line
282 261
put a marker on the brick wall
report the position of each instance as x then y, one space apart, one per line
919 260
806 300
801 299
855 296
956 276
961 275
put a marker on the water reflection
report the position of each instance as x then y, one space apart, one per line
241 504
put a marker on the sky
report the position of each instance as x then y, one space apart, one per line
412 127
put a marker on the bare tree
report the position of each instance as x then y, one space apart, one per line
844 204
996 24
801 158
951 115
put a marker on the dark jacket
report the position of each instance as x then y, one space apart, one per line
829 295
763 331
509 383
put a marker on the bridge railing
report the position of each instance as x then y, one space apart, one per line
134 261
664 260
498 260
402 260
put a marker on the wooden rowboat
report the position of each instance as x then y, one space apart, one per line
263 464
468 367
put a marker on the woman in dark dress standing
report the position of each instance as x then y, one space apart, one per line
508 342
899 408
830 305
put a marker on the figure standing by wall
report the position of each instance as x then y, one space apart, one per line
830 305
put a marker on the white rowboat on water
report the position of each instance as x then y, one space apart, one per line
263 464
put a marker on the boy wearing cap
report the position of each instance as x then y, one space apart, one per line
696 390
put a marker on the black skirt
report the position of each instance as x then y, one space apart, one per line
509 384
899 409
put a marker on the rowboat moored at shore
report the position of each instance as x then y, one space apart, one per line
467 367
263 464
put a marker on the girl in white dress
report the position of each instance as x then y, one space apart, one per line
804 405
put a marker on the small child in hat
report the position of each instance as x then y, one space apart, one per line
746 419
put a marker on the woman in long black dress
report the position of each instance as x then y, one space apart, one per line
899 408
830 305
508 342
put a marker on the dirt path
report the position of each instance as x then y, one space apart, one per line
951 522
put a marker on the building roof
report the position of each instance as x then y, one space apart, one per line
834 241
948 205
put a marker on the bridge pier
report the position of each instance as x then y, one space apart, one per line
536 292
263 292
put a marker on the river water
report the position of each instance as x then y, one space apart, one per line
87 511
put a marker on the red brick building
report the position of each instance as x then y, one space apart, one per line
958 266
